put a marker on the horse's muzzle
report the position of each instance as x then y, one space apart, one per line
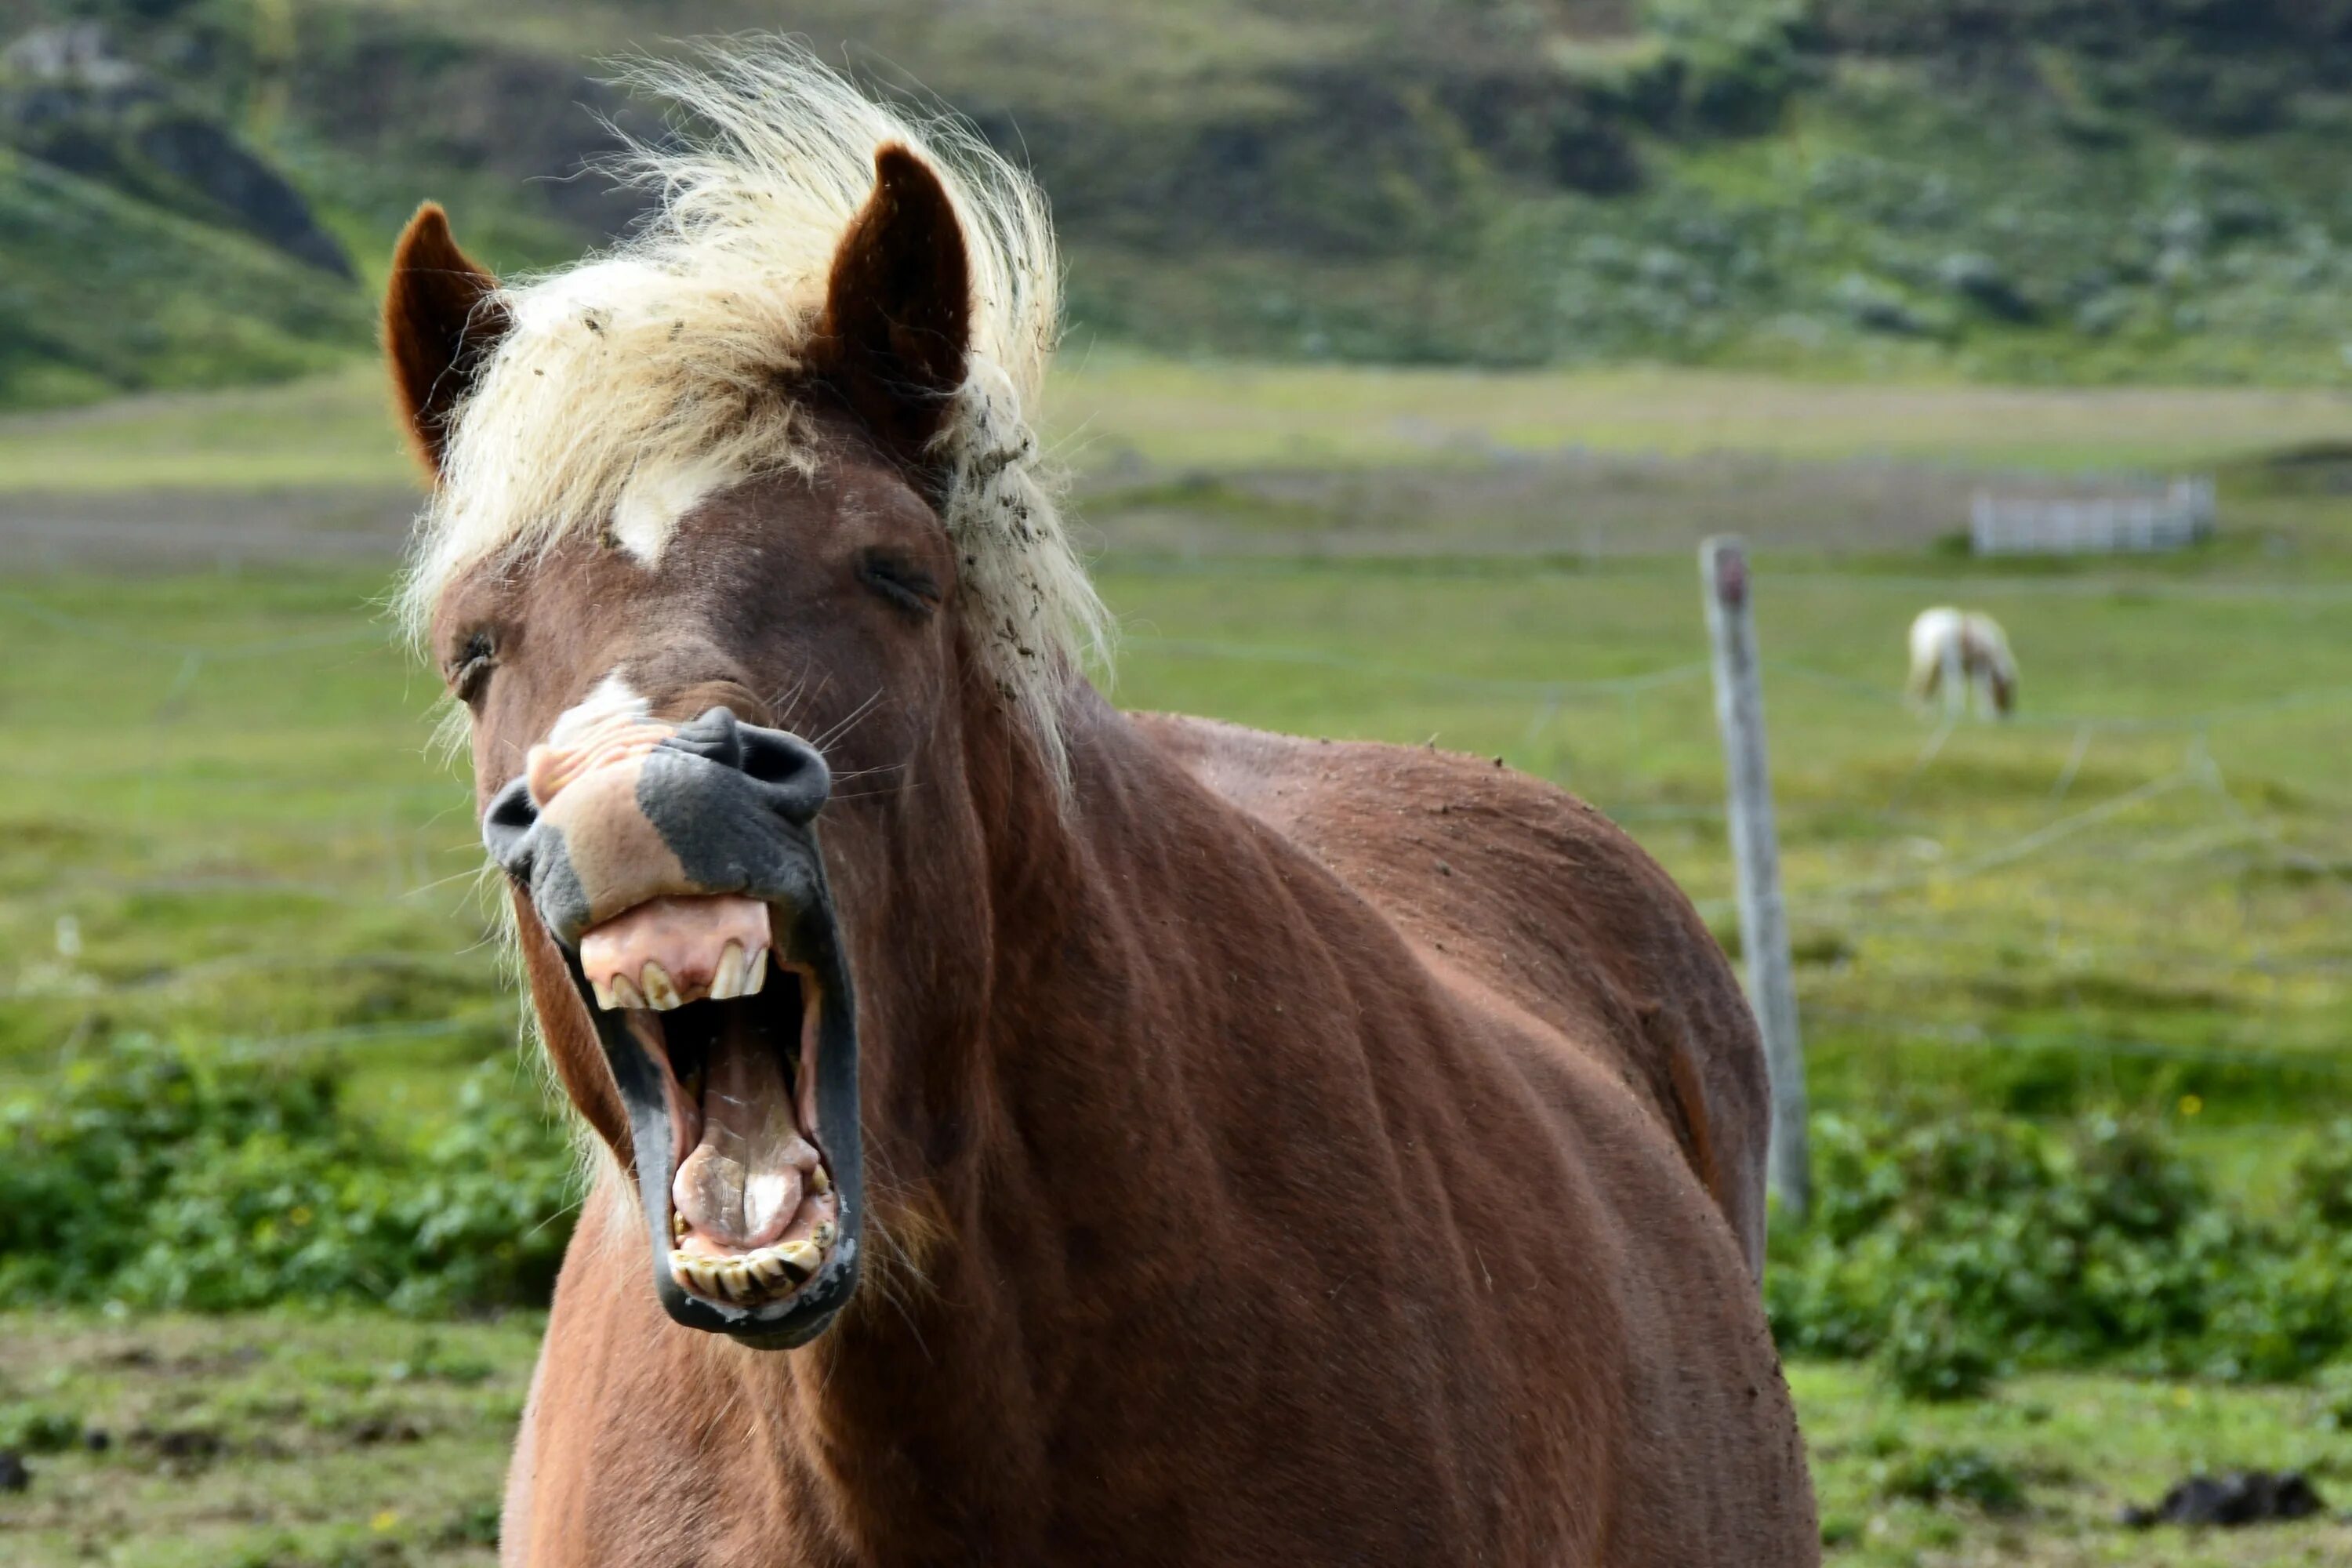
677 867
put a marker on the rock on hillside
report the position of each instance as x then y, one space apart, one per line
70 97
2053 190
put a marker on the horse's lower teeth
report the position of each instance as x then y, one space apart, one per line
750 1275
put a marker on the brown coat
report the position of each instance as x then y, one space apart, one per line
1331 1186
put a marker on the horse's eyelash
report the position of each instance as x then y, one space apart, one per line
906 586
474 664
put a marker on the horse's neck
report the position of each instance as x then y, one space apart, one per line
1093 906
1004 1160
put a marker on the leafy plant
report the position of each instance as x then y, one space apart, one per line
154 1176
1954 1248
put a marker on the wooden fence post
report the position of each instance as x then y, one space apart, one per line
1756 854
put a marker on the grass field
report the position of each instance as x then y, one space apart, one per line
1109 407
2134 894
225 822
309 1442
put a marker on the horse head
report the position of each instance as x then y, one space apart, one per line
741 569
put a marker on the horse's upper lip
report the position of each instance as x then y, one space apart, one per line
670 951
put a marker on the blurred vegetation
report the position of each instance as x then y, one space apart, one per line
2120 919
1949 1249
155 1177
2022 190
100 293
1958 1247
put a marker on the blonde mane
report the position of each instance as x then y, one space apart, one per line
639 380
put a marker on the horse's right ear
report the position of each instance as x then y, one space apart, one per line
442 320
896 327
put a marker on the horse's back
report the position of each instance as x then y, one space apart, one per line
1634 1224
1519 889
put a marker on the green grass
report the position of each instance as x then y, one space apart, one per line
1110 408
298 1441
2136 896
223 822
306 1441
2078 1449
224 783
335 429
1212 414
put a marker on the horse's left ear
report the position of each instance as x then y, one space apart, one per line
896 328
442 320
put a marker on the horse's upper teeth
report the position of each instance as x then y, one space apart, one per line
727 980
660 994
626 994
755 974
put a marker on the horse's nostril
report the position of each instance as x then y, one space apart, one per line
794 772
506 826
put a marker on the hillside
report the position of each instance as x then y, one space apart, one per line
2019 190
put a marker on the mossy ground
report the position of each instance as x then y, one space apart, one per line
355 1441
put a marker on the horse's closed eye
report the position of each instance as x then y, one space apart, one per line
899 580
470 672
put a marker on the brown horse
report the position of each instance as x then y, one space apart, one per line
1028 1133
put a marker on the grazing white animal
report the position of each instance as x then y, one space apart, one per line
1960 652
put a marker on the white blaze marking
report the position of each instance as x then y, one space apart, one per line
647 512
614 698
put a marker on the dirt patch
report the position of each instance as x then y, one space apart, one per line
183 1450
1570 502
370 1431
2251 1497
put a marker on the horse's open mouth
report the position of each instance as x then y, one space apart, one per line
715 1027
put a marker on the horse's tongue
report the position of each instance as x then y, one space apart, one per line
741 1183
